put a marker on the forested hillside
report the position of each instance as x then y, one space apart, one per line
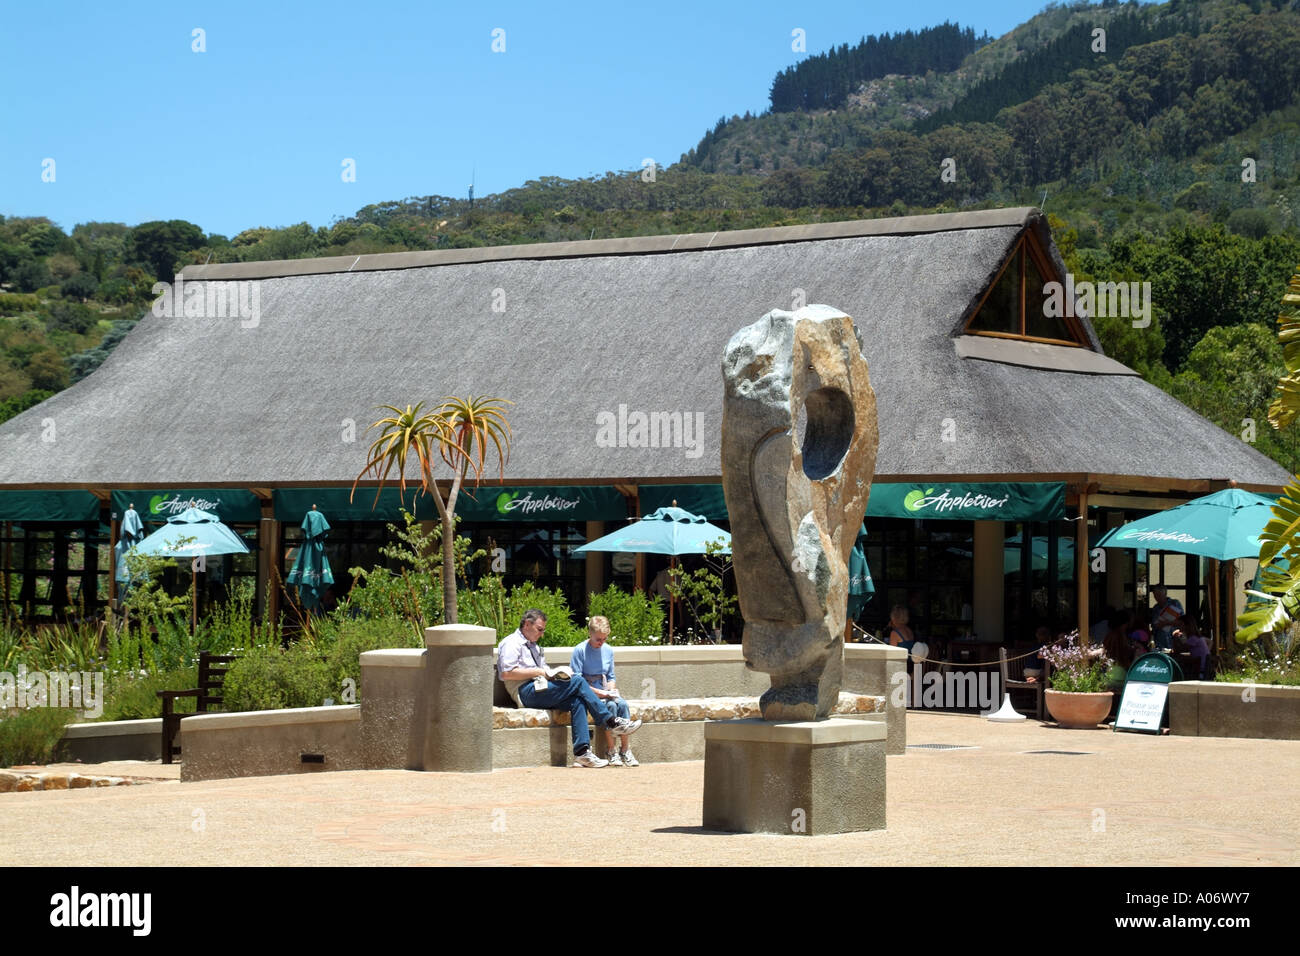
1171 156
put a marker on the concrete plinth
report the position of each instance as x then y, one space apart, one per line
806 778
455 707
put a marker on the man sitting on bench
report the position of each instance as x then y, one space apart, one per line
532 684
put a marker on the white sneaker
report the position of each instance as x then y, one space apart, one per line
629 760
589 759
623 726
614 759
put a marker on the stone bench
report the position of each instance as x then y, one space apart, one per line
663 711
671 730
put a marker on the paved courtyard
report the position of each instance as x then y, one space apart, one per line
1129 799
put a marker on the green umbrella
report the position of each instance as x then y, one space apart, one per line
132 534
311 568
1223 526
193 534
861 588
668 530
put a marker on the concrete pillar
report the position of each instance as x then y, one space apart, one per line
391 682
455 706
987 607
804 778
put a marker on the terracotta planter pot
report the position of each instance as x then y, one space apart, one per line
1078 711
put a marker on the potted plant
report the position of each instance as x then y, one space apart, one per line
1078 698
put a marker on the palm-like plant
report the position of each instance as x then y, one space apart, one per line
464 433
1277 603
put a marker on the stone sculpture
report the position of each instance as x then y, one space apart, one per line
799 441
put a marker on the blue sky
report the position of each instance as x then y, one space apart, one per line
254 131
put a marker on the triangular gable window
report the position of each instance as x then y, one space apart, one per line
1015 304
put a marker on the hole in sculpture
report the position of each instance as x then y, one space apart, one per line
826 433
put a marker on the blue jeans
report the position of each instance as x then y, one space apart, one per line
577 698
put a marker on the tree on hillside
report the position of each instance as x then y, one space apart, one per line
161 245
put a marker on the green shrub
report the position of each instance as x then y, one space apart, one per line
343 642
1272 659
560 629
268 678
633 618
131 697
486 606
232 627
32 736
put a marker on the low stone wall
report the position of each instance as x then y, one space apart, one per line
107 740
1214 709
390 728
271 742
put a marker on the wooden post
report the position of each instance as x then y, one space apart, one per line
268 563
1082 562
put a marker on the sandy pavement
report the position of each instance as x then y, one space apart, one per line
1131 799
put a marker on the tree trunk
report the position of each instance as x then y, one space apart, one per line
449 609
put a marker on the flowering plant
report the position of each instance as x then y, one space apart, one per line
1075 669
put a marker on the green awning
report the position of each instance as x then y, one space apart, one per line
487 503
43 505
543 503
291 504
967 501
704 500
995 501
159 504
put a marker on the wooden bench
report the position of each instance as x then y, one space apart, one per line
212 673
1013 678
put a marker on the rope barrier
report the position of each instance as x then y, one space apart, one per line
872 639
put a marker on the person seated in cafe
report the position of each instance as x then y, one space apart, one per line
899 634
1189 640
1164 617
1035 664
1141 643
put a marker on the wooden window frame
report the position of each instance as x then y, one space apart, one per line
1026 247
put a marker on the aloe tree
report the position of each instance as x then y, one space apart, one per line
465 434
1277 603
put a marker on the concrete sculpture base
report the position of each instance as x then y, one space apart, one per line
806 778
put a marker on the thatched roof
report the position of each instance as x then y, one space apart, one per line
588 327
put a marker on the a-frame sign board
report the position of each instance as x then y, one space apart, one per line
1144 704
